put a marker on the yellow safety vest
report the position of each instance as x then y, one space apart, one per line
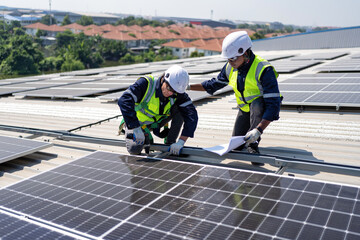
253 88
148 110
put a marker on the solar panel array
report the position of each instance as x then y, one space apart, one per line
319 56
356 55
326 89
11 148
112 196
41 84
80 89
349 64
194 95
289 66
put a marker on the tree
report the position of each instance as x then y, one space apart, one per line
112 50
46 20
64 39
40 33
66 20
257 35
196 54
19 62
128 58
71 64
85 20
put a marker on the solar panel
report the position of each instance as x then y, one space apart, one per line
342 65
356 55
11 148
288 66
319 56
17 80
12 227
112 196
41 84
273 57
205 68
330 89
79 89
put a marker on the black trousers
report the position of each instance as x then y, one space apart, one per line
246 121
176 123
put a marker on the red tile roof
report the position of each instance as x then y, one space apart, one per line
118 35
37 26
178 44
172 32
74 26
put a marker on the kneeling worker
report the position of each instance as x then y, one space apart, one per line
149 104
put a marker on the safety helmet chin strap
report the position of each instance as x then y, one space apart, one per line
247 56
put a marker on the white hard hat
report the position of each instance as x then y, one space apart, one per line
178 78
235 44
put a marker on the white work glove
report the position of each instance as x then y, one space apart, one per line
175 148
138 136
252 136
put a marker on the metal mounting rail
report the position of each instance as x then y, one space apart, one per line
274 160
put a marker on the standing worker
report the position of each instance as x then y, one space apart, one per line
149 104
254 82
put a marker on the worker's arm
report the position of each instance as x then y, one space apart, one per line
127 101
212 85
190 116
196 87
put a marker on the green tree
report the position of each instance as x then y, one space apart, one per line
66 20
196 54
85 20
64 39
46 20
51 63
257 35
41 33
112 50
19 62
289 29
128 58
72 65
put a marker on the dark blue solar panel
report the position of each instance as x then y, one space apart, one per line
113 196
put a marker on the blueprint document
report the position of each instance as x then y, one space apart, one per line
235 142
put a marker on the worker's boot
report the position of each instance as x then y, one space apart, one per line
254 149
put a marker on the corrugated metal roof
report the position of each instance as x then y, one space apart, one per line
334 38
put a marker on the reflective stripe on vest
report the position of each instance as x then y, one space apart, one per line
252 86
147 111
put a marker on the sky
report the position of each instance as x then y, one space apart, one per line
314 13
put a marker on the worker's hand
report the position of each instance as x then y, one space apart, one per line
175 148
138 136
252 136
188 87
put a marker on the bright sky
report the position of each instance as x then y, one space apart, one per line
344 13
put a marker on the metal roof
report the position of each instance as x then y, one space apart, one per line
334 38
